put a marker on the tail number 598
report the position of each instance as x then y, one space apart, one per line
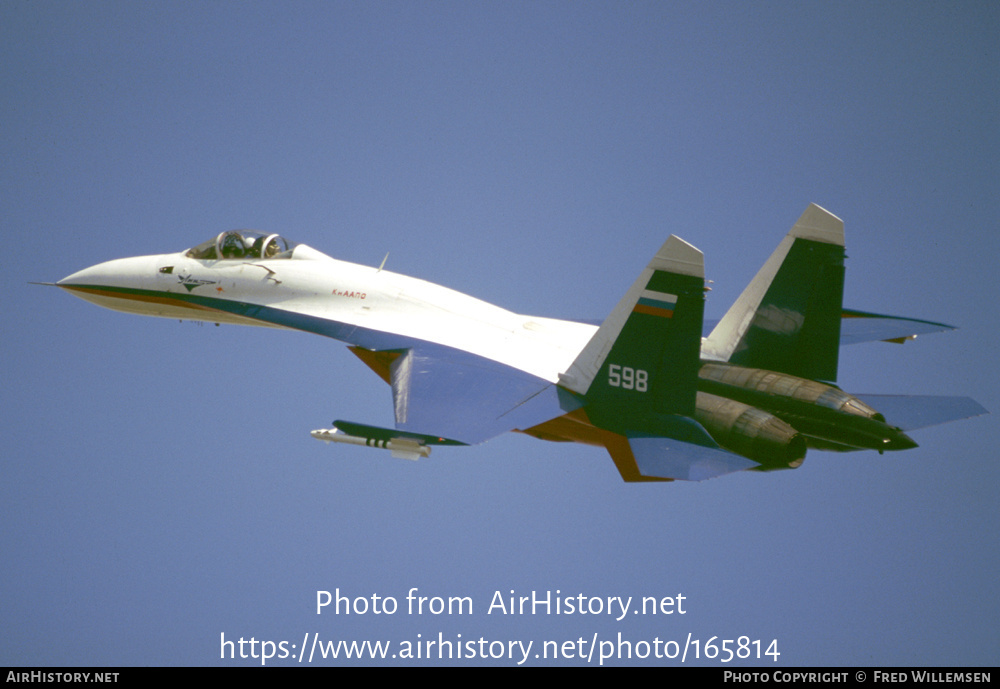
628 378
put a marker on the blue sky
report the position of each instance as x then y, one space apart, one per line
160 485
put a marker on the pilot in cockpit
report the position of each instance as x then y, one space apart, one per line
243 244
232 246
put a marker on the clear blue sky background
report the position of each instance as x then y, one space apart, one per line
159 484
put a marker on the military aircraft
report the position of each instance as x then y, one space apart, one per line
666 402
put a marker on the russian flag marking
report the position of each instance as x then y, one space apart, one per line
654 303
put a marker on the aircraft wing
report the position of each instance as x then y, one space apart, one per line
861 326
443 392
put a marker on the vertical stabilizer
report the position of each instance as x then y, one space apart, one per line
788 318
644 359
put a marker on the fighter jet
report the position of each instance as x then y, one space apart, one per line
666 402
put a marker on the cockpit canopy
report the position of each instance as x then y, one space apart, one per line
243 244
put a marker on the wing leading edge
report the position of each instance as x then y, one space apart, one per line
862 326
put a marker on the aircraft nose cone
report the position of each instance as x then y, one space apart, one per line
87 276
107 273
114 284
121 272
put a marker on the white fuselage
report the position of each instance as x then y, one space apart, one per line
317 286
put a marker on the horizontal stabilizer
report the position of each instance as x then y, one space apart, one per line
675 459
908 412
689 454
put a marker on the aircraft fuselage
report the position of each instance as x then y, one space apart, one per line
363 306
665 402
